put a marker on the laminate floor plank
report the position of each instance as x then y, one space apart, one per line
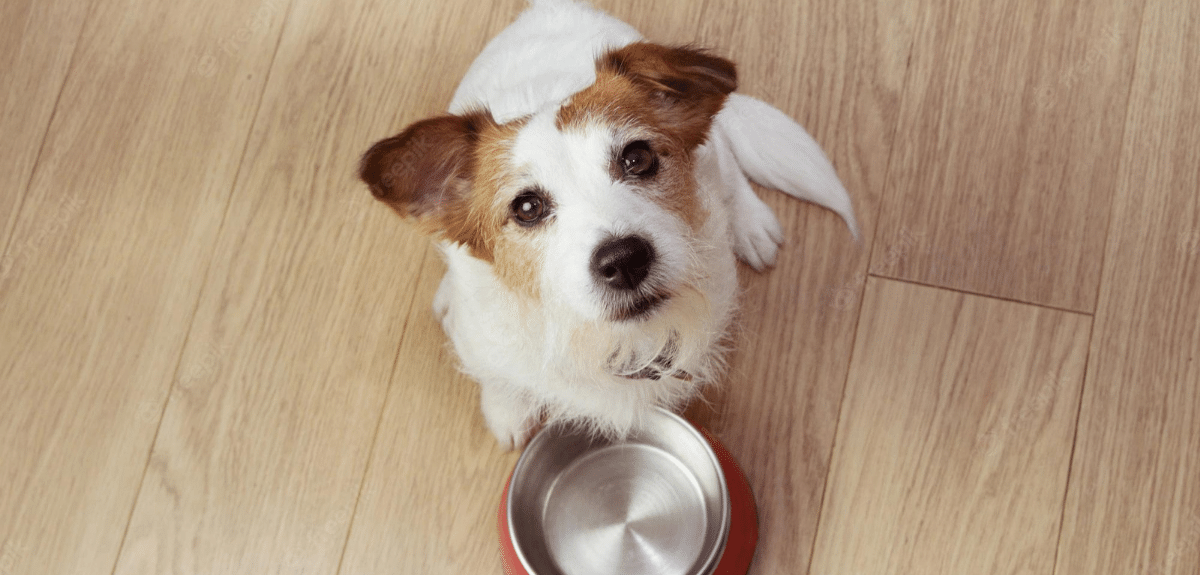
119 222
37 41
1012 118
258 466
1134 501
955 435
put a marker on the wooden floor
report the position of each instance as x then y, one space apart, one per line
217 354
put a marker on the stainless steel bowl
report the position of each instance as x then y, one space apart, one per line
656 503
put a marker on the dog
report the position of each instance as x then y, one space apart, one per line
589 192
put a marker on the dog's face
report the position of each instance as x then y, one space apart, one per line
592 205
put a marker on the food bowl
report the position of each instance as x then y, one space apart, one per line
657 503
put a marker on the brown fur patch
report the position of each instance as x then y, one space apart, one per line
518 261
425 173
675 90
429 173
516 258
673 93
450 175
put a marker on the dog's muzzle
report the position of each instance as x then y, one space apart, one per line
621 266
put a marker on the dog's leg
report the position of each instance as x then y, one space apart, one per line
441 300
756 231
509 417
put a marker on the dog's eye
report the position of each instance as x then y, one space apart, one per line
529 208
638 160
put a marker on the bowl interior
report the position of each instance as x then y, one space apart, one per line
654 503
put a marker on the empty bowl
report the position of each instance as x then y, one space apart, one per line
656 503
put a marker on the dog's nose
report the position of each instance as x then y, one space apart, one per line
622 263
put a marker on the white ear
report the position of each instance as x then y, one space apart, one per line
775 151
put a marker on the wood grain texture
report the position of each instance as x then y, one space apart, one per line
955 436
258 469
1134 502
431 495
1012 119
37 41
217 353
118 225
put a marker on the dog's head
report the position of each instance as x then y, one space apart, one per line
593 204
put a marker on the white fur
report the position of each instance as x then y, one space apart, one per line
776 152
557 355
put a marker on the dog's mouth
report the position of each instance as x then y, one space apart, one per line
640 307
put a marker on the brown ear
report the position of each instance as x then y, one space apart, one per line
424 170
689 85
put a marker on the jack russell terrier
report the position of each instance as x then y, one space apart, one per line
589 191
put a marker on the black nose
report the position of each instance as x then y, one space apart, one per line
622 263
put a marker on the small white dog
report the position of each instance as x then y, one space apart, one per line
589 191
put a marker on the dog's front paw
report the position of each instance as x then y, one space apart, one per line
510 419
513 435
756 232
512 439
